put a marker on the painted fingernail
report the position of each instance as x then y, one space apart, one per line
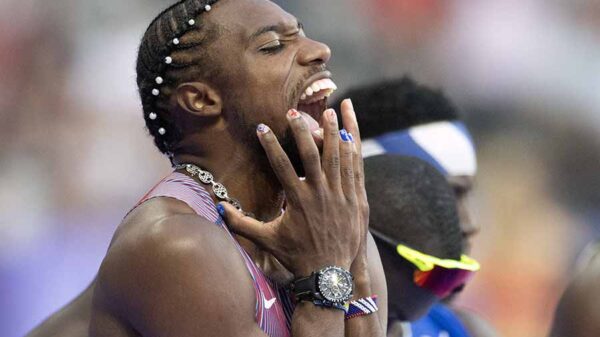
344 135
261 128
350 136
293 113
221 210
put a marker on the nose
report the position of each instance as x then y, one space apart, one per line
314 53
468 227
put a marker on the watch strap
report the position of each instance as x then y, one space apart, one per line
327 304
305 288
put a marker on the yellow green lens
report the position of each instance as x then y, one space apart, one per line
426 262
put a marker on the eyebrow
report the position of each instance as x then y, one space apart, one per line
273 28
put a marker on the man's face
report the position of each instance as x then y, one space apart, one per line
407 301
462 187
268 63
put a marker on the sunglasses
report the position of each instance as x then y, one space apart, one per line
440 276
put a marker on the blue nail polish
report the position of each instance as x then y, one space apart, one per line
221 210
350 136
344 135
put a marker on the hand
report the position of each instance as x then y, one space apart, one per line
323 222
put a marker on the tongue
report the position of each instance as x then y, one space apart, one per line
313 125
315 129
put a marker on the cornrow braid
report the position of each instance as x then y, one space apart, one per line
172 51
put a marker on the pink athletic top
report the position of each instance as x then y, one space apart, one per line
274 307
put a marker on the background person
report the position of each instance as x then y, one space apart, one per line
413 205
404 118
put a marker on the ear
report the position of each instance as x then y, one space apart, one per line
198 99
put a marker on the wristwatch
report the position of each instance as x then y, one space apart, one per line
329 287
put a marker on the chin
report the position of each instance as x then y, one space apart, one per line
411 312
450 298
412 315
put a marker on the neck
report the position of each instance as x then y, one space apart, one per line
247 176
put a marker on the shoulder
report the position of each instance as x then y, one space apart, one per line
160 249
170 266
475 324
155 228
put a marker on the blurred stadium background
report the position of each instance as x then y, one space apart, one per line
74 154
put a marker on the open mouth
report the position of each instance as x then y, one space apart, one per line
313 101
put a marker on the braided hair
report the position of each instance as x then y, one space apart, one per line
172 51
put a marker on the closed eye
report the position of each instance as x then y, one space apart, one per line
272 47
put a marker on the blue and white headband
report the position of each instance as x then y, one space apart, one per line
446 145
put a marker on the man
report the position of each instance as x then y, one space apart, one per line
414 219
401 117
212 75
577 313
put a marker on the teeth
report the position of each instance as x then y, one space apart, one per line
315 87
326 85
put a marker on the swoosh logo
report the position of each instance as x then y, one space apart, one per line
269 303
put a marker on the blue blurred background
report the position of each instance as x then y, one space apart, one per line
74 154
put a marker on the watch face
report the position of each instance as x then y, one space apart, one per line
335 284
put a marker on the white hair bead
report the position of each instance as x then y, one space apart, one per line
168 60
175 41
155 92
162 131
192 22
159 80
152 116
207 8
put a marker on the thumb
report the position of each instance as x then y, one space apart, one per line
248 227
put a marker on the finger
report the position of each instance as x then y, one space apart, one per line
309 153
346 166
351 124
258 232
359 185
359 171
279 160
331 147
